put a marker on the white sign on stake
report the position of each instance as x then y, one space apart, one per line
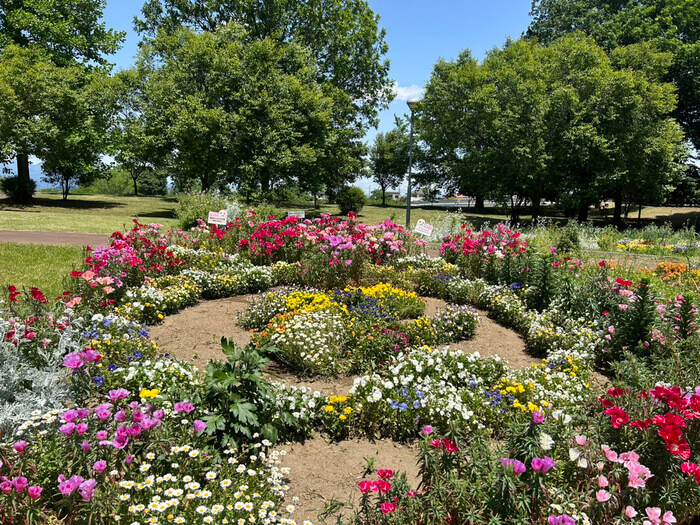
299 214
424 228
218 217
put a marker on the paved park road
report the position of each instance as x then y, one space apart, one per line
54 238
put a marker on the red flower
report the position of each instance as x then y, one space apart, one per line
668 419
641 423
679 448
449 445
13 293
618 416
615 392
385 473
382 486
435 443
623 282
365 486
388 507
38 295
670 434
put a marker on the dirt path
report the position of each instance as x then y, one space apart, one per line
54 238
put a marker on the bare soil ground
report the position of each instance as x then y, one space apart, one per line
325 474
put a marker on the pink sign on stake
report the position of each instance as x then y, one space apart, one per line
218 217
424 228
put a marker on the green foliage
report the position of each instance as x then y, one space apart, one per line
351 199
242 402
197 205
388 157
221 108
19 190
633 324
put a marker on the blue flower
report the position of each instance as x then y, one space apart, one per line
419 394
404 392
394 405
98 380
516 286
416 404
403 407
138 354
112 368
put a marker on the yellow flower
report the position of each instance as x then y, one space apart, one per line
148 393
329 408
532 407
342 417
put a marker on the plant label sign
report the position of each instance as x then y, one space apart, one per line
298 214
218 217
424 228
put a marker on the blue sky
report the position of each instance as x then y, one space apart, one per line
419 32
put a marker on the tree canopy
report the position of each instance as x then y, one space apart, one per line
232 110
670 25
563 122
388 157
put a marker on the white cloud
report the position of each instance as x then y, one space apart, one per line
411 92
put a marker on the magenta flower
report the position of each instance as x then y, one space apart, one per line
99 466
427 430
564 519
538 417
74 360
87 489
67 486
67 428
6 487
20 446
517 466
199 425
119 393
602 496
85 445
81 428
101 435
20 483
543 465
34 491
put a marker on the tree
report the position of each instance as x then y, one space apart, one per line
39 105
388 157
670 25
138 151
345 43
234 111
63 32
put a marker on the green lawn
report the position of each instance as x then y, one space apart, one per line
28 265
86 213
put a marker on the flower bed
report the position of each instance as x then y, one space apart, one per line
146 433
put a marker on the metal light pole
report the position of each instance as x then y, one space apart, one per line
411 105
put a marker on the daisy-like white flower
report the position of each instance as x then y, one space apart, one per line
225 483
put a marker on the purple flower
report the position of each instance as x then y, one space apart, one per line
87 489
20 483
119 393
67 486
427 430
101 435
85 445
538 417
199 425
20 446
99 466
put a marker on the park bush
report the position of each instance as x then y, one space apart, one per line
351 199
20 191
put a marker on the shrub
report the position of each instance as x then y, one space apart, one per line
193 206
20 191
351 199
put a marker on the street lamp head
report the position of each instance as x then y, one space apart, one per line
412 104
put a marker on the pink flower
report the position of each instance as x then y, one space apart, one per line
87 489
602 496
603 482
101 435
6 487
581 440
99 466
20 483
199 425
630 511
74 360
610 455
365 486
85 445
20 446
538 417
67 428
81 428
427 430
385 473
119 393
34 491
388 507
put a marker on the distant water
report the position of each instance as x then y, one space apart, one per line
34 173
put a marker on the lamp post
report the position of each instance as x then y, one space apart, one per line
411 105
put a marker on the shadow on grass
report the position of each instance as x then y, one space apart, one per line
70 204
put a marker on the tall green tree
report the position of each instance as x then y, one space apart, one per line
670 25
232 110
343 38
388 157
64 32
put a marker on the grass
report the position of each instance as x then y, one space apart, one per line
86 213
28 265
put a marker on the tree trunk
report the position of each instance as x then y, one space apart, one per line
617 214
383 196
535 208
65 187
23 166
639 216
583 211
316 206
479 202
136 189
